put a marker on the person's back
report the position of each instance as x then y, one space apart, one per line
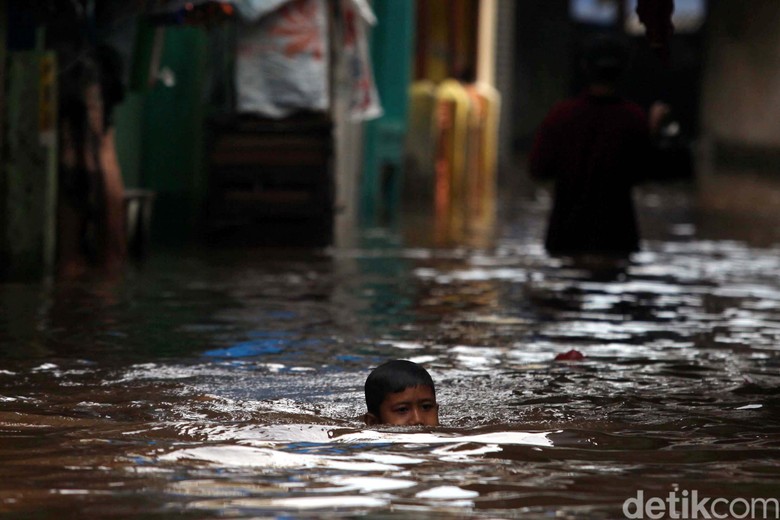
595 146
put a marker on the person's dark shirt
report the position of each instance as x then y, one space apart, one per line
595 148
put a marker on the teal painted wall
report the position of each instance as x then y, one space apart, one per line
160 129
128 119
392 50
172 159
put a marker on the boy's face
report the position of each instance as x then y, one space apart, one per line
413 406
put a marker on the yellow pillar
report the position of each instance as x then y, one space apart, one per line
451 135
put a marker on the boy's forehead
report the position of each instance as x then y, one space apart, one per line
414 389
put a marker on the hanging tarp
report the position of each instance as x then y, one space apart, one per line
282 59
252 10
363 96
169 6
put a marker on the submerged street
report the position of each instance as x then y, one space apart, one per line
229 383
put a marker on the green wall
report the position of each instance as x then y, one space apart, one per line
160 127
129 119
392 46
172 163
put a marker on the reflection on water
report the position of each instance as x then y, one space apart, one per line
229 383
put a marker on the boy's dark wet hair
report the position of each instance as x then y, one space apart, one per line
391 377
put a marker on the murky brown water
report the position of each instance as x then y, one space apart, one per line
228 383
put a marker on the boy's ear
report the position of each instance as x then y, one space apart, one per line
371 419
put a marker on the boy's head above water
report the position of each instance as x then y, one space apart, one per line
401 393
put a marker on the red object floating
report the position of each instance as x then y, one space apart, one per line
572 355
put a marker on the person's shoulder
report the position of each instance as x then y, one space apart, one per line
634 108
568 104
633 113
563 109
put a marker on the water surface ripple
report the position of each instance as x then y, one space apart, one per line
229 383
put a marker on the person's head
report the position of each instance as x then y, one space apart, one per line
401 393
605 60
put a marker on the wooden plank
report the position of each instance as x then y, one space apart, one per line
262 157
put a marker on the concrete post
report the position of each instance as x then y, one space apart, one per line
29 180
3 104
741 84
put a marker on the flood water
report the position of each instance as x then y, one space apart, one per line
228 383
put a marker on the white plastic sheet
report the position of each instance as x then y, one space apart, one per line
282 58
364 101
252 10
